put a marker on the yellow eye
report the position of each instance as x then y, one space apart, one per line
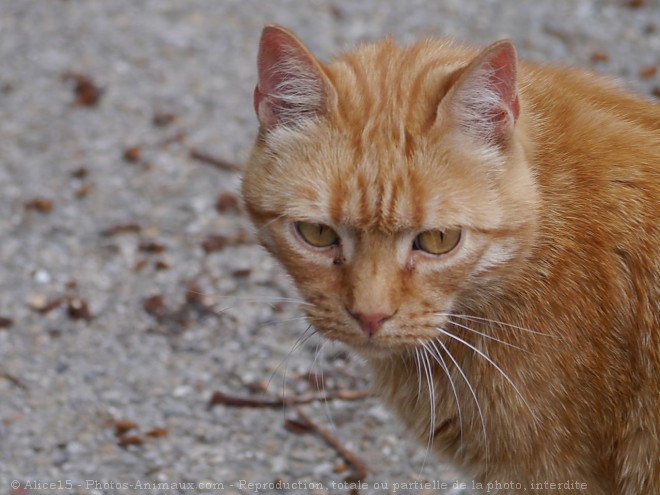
317 234
437 241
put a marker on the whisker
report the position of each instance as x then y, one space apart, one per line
419 377
273 220
299 342
289 320
509 344
485 356
217 312
431 386
500 323
268 299
192 290
326 407
474 395
435 353
432 398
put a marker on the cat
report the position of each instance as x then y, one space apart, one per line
486 233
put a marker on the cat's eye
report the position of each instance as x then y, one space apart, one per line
317 234
437 241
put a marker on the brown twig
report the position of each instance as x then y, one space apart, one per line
216 162
360 470
121 228
220 398
12 379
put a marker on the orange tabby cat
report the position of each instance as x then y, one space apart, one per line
487 235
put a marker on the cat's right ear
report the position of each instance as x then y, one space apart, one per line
292 85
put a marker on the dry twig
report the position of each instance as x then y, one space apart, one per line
15 381
360 470
220 398
305 423
214 161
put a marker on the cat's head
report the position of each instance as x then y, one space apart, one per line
392 183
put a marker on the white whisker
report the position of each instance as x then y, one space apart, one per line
500 323
485 356
431 386
474 395
326 407
485 335
435 353
266 299
273 220
289 320
419 377
299 342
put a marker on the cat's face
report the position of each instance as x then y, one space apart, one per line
388 209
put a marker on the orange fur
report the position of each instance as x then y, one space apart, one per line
558 271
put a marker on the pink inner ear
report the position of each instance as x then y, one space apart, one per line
502 77
272 51
257 99
290 83
275 46
484 98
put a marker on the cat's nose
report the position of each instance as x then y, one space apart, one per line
370 322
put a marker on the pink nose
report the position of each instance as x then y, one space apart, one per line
370 322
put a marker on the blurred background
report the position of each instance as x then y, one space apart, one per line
133 298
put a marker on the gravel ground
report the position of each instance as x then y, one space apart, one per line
131 287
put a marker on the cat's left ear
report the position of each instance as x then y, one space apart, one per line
292 86
484 99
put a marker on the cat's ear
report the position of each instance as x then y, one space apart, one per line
484 99
292 86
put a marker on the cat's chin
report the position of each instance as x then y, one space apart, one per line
376 350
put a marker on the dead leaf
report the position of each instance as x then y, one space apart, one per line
42 205
125 441
157 433
6 322
123 426
132 154
78 309
155 305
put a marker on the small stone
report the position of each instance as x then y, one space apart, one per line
38 302
42 276
162 119
80 173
